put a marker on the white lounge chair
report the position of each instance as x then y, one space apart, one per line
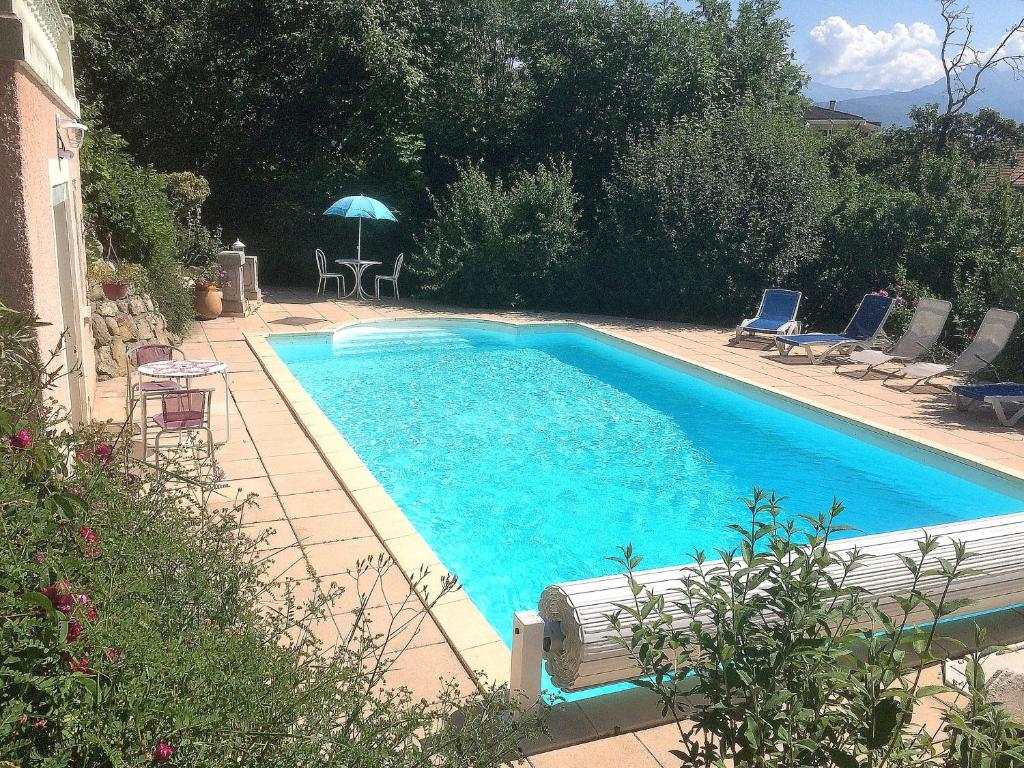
392 278
321 268
921 335
775 316
980 355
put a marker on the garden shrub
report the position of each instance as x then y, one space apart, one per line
703 215
512 243
140 215
814 685
139 628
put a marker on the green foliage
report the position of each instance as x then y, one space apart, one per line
498 244
121 272
126 207
141 216
776 647
135 614
703 215
288 106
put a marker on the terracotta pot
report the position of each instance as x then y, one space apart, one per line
208 302
115 291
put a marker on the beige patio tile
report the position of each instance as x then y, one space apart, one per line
267 446
304 482
616 752
336 527
342 556
259 485
242 468
402 626
265 509
424 671
358 479
295 462
660 741
318 503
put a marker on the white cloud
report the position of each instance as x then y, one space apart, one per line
900 58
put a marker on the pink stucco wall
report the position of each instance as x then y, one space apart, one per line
28 260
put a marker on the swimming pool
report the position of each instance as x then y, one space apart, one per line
527 456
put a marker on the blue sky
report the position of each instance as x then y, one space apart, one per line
891 44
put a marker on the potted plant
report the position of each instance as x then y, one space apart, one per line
208 280
117 278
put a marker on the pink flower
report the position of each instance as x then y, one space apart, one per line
88 534
21 440
162 753
74 630
79 665
91 614
65 603
92 551
112 654
105 453
40 724
23 718
916 302
40 557
898 288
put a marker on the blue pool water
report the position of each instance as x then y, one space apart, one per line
528 459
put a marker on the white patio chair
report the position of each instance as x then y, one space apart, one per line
392 278
321 268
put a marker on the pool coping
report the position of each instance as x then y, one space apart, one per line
477 644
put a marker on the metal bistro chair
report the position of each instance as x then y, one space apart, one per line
141 391
321 268
185 411
392 278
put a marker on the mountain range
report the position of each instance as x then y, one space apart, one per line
1000 91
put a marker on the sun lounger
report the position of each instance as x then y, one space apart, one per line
863 331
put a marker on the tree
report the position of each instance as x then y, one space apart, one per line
963 63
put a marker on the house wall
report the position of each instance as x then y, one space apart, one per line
32 96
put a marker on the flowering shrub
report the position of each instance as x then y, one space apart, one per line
139 628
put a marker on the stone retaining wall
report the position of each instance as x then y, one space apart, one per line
117 326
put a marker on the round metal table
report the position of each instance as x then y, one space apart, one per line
188 370
358 266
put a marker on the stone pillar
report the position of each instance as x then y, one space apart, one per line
250 274
232 285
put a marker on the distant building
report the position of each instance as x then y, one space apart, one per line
1014 171
42 255
831 119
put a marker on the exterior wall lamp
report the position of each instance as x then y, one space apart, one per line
74 132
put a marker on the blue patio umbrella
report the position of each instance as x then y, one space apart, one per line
360 207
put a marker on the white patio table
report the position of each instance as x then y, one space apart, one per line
358 266
188 370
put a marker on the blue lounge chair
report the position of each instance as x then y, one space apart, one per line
999 396
775 316
863 331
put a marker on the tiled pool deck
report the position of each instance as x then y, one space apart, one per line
328 512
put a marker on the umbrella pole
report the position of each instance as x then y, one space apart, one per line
359 243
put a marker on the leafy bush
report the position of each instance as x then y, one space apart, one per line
702 216
498 244
144 217
138 627
777 650
125 204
